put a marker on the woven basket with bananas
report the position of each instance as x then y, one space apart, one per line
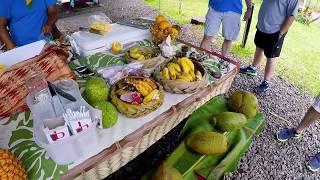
181 76
162 29
136 96
148 56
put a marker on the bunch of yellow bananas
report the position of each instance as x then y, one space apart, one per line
136 54
2 68
147 88
182 71
100 26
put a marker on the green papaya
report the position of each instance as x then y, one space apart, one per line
166 172
229 121
207 143
243 102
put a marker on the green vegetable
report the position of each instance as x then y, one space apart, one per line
166 172
109 113
243 102
96 90
207 143
229 121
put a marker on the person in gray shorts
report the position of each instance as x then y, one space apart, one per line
228 13
274 20
312 115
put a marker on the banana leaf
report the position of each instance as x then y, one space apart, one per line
194 166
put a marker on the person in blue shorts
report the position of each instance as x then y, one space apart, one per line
228 13
274 20
27 21
312 115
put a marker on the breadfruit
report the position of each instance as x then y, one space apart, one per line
229 121
109 113
243 102
96 90
166 172
207 143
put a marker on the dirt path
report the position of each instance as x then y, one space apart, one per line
283 105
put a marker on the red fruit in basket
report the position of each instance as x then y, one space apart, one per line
132 98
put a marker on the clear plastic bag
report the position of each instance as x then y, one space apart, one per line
114 73
99 16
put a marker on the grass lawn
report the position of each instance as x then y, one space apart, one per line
300 58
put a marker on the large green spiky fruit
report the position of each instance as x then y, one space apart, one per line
244 102
96 90
207 143
109 113
229 121
166 172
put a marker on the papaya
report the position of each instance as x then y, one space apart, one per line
229 121
243 102
166 172
208 143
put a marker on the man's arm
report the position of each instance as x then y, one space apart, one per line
286 25
248 11
4 34
52 19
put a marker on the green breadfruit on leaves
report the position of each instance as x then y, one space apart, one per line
229 121
96 90
109 113
166 172
244 102
208 143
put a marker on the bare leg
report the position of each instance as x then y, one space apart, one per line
257 57
206 42
310 117
270 68
226 46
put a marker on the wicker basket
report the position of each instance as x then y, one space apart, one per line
181 87
122 152
134 110
147 63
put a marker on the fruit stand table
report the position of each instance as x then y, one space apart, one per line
117 145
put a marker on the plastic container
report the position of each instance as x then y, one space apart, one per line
72 148
67 150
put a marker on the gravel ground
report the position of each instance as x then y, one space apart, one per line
283 105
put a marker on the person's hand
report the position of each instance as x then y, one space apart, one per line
46 29
247 15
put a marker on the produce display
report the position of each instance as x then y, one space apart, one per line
182 71
148 56
207 143
116 47
229 121
96 94
96 90
162 29
109 113
10 167
181 76
100 27
244 102
166 172
135 96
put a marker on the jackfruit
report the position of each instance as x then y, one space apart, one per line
243 102
207 143
229 121
166 172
